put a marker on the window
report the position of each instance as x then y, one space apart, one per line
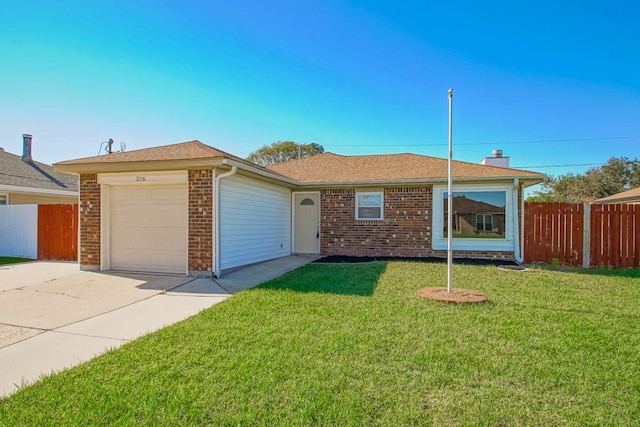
484 222
3 200
369 205
307 202
476 214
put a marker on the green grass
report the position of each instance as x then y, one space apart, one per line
352 344
12 260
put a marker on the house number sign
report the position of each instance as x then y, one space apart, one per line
140 178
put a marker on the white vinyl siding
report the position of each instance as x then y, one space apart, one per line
149 228
255 221
19 231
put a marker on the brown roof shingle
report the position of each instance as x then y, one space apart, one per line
632 196
181 151
320 169
330 167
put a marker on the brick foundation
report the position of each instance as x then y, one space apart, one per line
89 213
200 257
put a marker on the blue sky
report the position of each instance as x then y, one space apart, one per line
550 83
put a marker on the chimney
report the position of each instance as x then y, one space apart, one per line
496 160
26 148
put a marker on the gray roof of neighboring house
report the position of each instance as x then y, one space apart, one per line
15 172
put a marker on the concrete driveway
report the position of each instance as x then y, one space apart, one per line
54 316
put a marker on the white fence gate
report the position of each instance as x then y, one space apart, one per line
19 231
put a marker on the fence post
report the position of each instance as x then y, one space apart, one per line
586 236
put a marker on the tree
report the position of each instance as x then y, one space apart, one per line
283 151
618 174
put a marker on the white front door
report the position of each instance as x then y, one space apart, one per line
306 207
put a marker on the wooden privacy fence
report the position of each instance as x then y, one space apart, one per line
588 235
615 235
58 232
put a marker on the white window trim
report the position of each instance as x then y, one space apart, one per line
370 193
439 242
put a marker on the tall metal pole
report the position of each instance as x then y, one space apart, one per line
450 200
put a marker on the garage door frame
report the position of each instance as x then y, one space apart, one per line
141 178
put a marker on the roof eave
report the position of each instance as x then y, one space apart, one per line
527 180
261 172
37 190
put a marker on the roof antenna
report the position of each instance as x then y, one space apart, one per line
108 147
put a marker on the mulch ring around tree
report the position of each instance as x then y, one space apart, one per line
457 295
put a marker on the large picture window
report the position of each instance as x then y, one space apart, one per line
476 214
369 205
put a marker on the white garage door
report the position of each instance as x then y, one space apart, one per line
149 228
255 221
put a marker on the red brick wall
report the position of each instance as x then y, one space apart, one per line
405 230
200 256
89 213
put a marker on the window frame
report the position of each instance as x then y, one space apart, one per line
4 196
369 193
439 240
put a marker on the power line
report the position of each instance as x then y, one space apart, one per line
559 166
540 141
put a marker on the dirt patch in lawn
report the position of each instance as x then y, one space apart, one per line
457 296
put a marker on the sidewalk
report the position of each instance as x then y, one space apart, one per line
47 341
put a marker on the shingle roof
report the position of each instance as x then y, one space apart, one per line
330 167
181 151
15 172
323 168
632 195
190 150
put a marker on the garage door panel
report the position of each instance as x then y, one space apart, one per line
149 228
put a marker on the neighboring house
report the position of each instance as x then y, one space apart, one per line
630 196
190 208
475 218
25 181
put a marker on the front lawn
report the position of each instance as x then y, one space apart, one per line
352 344
12 260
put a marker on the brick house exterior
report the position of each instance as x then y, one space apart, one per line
408 224
405 230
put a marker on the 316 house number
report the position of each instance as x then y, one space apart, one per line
141 178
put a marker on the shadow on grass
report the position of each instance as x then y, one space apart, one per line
341 279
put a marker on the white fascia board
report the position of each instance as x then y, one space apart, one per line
33 190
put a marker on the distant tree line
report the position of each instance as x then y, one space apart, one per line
283 151
617 175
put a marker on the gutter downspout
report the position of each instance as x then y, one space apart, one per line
216 220
517 254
